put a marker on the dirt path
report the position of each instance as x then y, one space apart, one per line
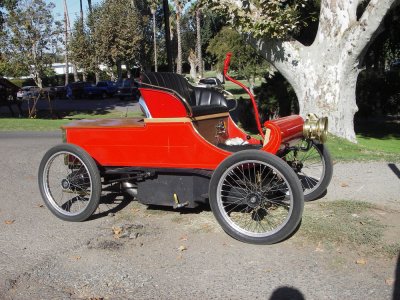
169 255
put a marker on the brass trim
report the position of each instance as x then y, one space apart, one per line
168 120
315 128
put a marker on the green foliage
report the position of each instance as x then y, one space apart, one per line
118 35
262 18
81 50
31 34
245 60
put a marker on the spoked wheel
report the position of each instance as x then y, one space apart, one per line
69 182
313 166
256 197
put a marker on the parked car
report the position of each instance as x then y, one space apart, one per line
60 91
28 92
76 90
211 82
102 89
128 89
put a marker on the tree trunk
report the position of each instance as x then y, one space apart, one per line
90 5
324 75
66 42
155 40
119 70
167 35
193 62
178 36
76 77
198 46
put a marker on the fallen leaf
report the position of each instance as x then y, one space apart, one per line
9 222
319 248
76 257
183 238
389 281
182 248
117 230
361 261
343 184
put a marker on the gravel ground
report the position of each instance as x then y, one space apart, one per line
171 255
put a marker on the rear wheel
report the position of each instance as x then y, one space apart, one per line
313 167
69 182
256 197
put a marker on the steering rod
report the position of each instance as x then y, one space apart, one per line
256 115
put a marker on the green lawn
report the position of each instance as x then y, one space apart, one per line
42 124
367 149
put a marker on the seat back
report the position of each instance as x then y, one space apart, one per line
202 101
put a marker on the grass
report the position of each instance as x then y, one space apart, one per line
367 149
44 123
350 223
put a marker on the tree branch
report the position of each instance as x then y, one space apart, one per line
284 55
367 27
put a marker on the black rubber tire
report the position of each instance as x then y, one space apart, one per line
323 183
291 179
92 172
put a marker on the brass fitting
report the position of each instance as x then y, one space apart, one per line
315 128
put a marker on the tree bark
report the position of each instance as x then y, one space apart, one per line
198 46
324 75
178 36
153 12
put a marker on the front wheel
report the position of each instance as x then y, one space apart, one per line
256 197
313 166
69 182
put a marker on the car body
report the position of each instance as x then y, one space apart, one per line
102 89
211 82
28 92
128 88
184 152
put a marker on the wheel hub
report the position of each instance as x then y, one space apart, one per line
253 200
65 184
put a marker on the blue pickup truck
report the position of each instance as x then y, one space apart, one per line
102 89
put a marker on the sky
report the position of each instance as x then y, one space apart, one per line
73 8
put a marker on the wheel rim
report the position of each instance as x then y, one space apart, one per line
67 183
309 166
254 198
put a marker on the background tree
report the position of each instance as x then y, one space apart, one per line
81 48
154 4
31 34
179 6
323 74
245 62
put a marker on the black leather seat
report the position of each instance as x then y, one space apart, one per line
202 101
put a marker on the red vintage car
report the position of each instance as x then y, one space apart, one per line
187 151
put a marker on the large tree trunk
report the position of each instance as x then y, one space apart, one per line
324 75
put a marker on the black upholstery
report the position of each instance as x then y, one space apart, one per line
203 101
